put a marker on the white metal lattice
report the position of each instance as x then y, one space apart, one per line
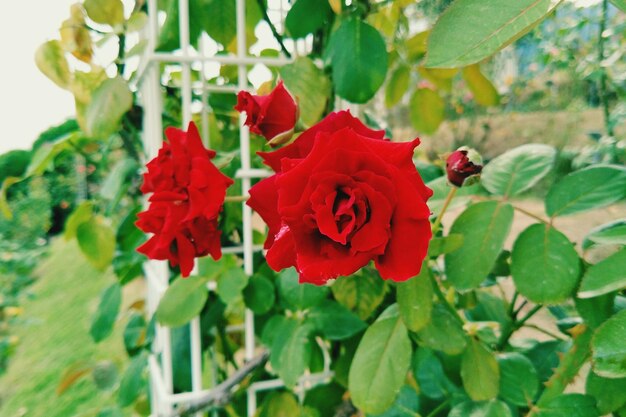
164 401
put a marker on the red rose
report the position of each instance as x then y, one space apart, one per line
459 167
342 198
187 196
272 116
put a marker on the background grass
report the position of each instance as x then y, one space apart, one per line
55 336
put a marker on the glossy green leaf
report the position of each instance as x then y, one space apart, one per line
519 382
620 4
482 89
471 30
415 299
519 169
397 85
230 285
380 363
480 372
133 381
608 347
182 301
485 226
291 350
443 332
298 296
596 310
335 321
310 87
307 16
104 319
568 405
81 214
447 244
493 408
260 294
135 333
361 293
110 101
51 61
431 378
219 20
589 188
609 393
280 404
358 58
426 110
106 12
604 277
612 233
96 240
406 404
544 265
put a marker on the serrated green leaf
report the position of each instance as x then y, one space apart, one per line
519 382
307 16
568 405
485 226
415 299
291 350
604 277
259 295
309 85
298 296
493 408
613 233
182 301
519 169
608 348
480 372
544 264
361 293
335 321
443 332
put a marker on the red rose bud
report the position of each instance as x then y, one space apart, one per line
462 164
272 116
342 196
187 196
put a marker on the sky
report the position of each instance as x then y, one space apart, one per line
29 102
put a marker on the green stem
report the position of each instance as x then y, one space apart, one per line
528 315
544 331
532 215
512 304
439 408
445 206
604 94
277 35
516 325
442 298
121 55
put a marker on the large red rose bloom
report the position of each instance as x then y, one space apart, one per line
343 197
187 196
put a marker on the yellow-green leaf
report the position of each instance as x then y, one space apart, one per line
483 90
106 12
50 60
397 85
111 100
426 110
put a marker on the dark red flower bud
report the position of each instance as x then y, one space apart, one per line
461 165
272 116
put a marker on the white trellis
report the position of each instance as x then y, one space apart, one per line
163 400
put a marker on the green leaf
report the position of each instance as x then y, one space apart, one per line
291 350
80 215
519 382
280 404
182 301
97 242
480 372
111 100
406 405
397 85
493 408
443 332
106 12
604 277
613 233
608 347
307 16
51 61
116 184
135 333
219 19
361 293
359 60
230 285
471 30
620 4
519 169
442 245
430 376
596 310
259 295
335 321
485 227
482 89
309 85
589 188
380 363
426 110
133 381
298 296
104 375
104 319
609 393
415 299
568 405
544 265
110 412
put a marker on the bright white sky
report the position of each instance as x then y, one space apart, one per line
29 102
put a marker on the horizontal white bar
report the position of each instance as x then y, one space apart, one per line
239 249
222 59
252 173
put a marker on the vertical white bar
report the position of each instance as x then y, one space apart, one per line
204 115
